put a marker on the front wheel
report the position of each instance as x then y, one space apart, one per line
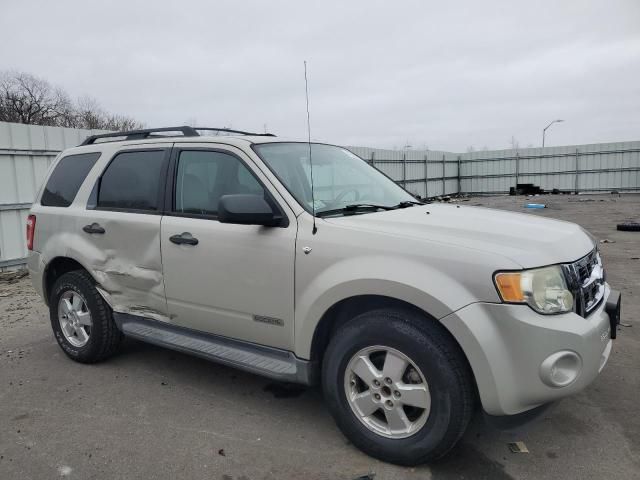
398 386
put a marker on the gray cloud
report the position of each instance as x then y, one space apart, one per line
381 73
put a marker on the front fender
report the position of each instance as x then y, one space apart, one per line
425 287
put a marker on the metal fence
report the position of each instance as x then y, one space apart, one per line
26 151
427 173
600 167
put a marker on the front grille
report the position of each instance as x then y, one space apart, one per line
586 280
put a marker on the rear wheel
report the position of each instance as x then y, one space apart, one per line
398 386
81 320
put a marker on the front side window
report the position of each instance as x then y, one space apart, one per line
66 178
205 176
132 181
340 178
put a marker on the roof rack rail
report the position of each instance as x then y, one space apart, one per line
140 134
147 132
228 130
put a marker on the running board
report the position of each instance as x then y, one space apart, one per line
267 361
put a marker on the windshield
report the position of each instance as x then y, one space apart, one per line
340 178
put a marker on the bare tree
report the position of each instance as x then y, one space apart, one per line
89 114
67 117
25 98
121 122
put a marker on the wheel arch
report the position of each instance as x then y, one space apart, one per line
57 267
347 308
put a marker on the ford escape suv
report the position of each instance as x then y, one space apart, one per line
217 243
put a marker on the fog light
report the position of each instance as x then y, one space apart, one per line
560 369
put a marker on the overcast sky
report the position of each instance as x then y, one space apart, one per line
447 75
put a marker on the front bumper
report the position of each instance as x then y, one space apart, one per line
507 346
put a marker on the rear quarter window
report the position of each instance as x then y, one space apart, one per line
65 180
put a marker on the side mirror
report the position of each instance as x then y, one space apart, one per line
245 209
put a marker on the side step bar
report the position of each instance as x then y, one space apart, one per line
267 361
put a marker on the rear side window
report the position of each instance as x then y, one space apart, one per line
132 181
65 181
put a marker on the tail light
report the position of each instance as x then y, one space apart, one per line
31 231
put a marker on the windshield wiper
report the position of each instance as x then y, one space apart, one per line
407 203
355 207
372 207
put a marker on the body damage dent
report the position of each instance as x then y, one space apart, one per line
139 310
132 289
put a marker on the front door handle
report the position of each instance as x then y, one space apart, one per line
93 228
185 238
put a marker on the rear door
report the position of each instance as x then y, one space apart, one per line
120 231
238 280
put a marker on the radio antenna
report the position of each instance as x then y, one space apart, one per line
313 199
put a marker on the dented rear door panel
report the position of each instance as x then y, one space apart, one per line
125 260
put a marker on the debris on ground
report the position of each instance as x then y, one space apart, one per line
221 452
535 205
606 240
453 198
368 476
518 447
628 227
13 276
625 324
64 470
526 189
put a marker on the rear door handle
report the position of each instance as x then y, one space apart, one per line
93 228
185 238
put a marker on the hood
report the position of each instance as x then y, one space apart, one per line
525 239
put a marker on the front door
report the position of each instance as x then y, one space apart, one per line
237 280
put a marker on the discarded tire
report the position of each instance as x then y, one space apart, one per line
629 227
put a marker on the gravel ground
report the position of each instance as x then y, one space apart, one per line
152 413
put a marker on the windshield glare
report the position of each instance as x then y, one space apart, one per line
340 178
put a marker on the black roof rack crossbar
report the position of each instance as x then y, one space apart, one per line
228 130
141 134
147 132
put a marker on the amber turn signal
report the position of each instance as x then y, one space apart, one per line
509 286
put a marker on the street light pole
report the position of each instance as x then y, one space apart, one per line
544 130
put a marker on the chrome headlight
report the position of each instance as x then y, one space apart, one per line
543 289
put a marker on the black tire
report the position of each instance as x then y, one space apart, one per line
434 352
629 227
104 337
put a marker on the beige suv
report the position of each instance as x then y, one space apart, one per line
219 243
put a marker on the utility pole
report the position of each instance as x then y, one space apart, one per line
544 130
